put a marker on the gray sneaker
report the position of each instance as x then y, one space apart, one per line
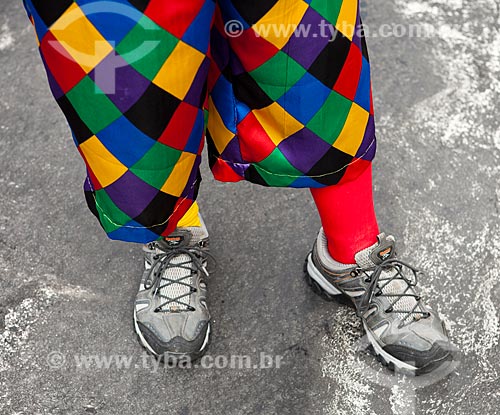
171 316
405 334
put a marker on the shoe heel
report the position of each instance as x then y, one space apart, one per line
319 290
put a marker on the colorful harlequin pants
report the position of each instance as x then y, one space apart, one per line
286 84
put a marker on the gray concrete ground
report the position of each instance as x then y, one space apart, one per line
67 291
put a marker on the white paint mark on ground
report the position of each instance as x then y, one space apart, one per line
467 56
351 393
20 321
18 326
402 399
444 248
6 37
460 125
73 292
472 76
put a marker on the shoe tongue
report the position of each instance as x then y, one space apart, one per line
180 238
184 237
384 249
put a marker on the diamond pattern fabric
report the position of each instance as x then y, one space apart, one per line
288 98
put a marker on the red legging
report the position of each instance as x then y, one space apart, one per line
348 216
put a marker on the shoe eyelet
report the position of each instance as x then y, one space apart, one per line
389 310
368 280
378 293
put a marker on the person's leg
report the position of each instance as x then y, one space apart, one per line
349 258
295 110
348 216
130 77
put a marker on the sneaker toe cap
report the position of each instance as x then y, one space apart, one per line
178 344
425 346
423 360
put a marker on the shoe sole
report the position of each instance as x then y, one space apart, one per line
324 289
173 356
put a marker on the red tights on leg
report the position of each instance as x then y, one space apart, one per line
348 216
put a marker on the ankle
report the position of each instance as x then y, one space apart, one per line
344 256
345 251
